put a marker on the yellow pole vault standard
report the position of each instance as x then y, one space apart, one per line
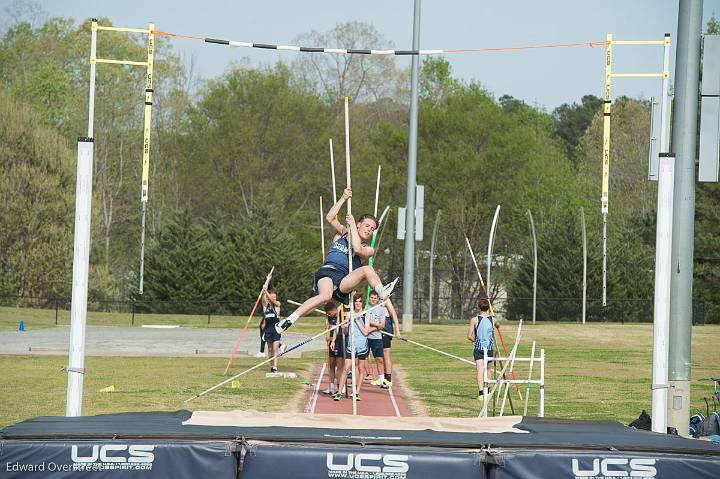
607 103
150 31
607 112
146 146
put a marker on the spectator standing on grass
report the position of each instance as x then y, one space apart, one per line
375 341
271 315
481 334
392 327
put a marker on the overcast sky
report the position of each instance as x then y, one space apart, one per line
546 77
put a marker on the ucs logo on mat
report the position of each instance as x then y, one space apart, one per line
615 467
113 456
376 466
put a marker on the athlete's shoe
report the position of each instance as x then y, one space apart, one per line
273 369
329 390
283 348
377 382
388 289
282 326
336 396
259 355
386 383
357 397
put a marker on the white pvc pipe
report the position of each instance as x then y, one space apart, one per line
541 406
81 260
661 308
81 251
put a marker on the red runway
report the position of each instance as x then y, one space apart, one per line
375 401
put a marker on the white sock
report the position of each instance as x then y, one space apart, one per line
378 288
293 317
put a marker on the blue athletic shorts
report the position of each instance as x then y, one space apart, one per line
479 354
361 355
376 346
336 276
269 333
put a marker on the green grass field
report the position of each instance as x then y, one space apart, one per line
596 371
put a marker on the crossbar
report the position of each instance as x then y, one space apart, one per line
117 62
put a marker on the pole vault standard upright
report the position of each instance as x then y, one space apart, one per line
607 102
83 197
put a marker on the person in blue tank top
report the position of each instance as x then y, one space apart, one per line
271 315
334 279
481 334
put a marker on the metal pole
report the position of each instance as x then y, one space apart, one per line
687 66
432 261
606 159
491 241
146 147
409 253
661 309
534 237
584 279
81 253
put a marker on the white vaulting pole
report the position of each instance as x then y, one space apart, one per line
491 242
332 172
352 324
322 233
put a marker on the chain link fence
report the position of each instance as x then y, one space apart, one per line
444 308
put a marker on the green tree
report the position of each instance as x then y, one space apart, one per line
572 120
36 204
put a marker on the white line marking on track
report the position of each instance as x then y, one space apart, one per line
394 403
310 409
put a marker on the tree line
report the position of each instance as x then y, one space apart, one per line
239 161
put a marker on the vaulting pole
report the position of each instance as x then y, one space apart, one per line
242 334
372 242
352 324
491 242
332 172
535 264
322 233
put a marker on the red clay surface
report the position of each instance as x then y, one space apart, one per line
375 401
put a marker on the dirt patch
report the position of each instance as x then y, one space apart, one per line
412 399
